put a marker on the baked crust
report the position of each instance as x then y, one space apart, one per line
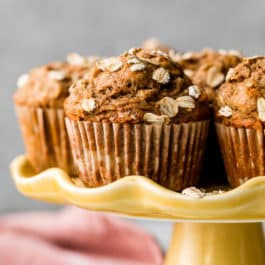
138 86
208 67
48 85
240 100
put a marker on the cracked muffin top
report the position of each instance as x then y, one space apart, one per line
208 68
137 86
240 101
48 85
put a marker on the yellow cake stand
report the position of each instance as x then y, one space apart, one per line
217 229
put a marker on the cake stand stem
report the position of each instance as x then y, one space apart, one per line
217 244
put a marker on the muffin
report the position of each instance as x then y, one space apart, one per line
208 67
137 114
240 117
39 107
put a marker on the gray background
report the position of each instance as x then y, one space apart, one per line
34 32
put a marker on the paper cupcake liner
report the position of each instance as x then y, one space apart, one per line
171 155
45 138
243 152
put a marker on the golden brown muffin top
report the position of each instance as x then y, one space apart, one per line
208 68
240 100
137 86
48 85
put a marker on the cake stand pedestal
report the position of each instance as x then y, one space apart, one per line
218 229
216 244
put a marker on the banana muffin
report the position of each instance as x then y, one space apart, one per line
208 67
137 114
240 117
39 107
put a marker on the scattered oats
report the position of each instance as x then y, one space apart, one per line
89 104
22 80
168 106
137 67
159 53
194 91
175 56
215 192
234 52
261 108
214 77
90 60
132 51
186 102
76 59
187 55
189 73
133 60
133 117
193 193
229 52
161 75
57 75
111 64
225 111
254 57
243 180
153 118
222 51
229 74
147 60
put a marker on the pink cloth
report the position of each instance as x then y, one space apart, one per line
74 237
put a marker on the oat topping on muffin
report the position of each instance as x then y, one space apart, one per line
78 60
225 111
111 64
155 44
241 99
137 86
208 68
261 108
22 80
194 91
39 108
47 86
193 193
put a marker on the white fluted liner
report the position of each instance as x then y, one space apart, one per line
45 138
243 152
171 155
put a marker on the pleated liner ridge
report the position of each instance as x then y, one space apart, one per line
243 151
171 155
45 138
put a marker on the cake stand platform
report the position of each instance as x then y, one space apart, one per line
217 229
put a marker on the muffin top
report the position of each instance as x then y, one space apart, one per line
137 86
48 85
208 68
240 101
